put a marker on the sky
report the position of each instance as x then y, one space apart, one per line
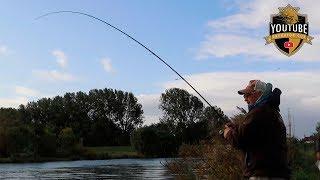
218 46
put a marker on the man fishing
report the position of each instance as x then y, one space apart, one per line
262 134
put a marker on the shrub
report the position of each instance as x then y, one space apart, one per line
154 142
209 160
19 140
67 141
47 143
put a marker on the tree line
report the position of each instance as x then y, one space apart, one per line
51 126
61 125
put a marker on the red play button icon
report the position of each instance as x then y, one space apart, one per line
288 44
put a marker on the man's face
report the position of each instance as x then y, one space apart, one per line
252 97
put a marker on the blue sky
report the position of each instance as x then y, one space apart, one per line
217 45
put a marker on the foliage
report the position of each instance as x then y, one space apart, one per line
318 128
113 151
102 117
187 118
154 141
209 160
67 141
47 143
103 133
116 111
180 109
212 158
302 159
19 140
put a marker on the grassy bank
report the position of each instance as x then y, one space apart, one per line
90 153
112 152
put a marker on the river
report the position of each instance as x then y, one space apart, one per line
87 169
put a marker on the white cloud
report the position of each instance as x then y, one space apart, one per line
3 49
61 58
223 45
299 93
251 15
53 75
243 33
256 14
107 66
20 90
12 102
311 101
150 103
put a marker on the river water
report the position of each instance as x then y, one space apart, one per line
88 169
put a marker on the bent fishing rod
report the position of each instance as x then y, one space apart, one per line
129 36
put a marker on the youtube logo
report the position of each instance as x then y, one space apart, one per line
288 44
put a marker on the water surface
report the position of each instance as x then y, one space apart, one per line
88 169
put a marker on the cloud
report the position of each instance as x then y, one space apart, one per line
243 32
256 14
220 89
54 75
150 103
20 90
251 15
61 58
3 49
223 45
107 66
13 102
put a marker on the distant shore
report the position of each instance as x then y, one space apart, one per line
91 153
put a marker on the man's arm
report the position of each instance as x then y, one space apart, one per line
245 134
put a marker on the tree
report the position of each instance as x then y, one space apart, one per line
67 141
121 108
215 118
130 116
180 109
19 140
103 133
318 128
114 113
47 143
154 141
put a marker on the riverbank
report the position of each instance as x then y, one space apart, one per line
87 153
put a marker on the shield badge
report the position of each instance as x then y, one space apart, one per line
289 30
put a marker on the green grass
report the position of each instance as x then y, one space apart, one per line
114 151
5 160
93 153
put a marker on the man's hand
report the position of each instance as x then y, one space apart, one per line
318 156
226 130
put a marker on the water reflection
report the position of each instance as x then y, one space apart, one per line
98 169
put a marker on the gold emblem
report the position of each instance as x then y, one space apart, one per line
288 30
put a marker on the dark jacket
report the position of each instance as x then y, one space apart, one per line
262 138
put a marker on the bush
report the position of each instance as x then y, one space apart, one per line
89 154
195 132
209 160
47 143
3 143
19 140
67 141
213 158
154 142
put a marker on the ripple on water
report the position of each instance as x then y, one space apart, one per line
97 169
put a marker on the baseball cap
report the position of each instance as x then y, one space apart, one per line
254 85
